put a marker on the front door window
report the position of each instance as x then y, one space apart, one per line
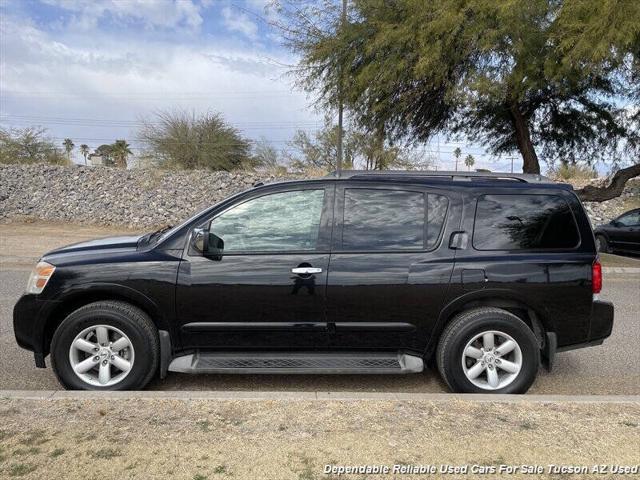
279 222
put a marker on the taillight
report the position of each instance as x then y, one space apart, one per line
596 276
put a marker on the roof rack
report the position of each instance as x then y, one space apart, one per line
442 175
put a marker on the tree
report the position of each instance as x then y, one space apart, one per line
360 150
106 152
84 150
546 78
457 153
120 151
469 161
184 140
265 155
29 145
68 147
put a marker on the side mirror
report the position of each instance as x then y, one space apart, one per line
615 223
206 244
214 246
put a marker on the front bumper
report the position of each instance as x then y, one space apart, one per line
29 321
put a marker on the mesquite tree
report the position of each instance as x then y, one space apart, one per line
553 80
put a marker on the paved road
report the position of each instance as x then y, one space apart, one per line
613 368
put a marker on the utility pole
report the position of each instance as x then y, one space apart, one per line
340 103
511 164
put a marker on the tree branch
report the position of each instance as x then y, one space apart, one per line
591 193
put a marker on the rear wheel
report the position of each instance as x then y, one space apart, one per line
488 350
601 244
108 345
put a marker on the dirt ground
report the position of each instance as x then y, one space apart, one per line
269 439
23 243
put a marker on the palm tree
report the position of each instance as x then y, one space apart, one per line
84 150
457 153
121 151
469 161
68 147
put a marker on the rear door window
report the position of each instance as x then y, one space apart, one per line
524 222
383 220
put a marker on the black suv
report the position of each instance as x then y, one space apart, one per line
484 275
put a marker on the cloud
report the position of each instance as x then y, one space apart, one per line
237 21
58 79
153 14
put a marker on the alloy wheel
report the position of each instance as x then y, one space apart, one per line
101 355
491 360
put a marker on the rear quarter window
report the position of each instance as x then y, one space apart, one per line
524 222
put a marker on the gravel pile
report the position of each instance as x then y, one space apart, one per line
150 198
110 196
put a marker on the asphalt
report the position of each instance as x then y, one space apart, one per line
609 369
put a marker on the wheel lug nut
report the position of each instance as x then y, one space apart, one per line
96 349
104 362
96 358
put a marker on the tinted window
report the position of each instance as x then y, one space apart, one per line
391 219
277 222
436 213
514 222
383 219
630 219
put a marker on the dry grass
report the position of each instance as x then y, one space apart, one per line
243 439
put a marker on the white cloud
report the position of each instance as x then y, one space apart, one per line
116 79
237 21
164 14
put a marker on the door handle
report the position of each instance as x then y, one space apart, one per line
306 270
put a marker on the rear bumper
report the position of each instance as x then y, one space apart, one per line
601 320
600 327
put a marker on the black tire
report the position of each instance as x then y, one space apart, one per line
468 324
132 321
602 245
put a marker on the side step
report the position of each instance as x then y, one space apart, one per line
285 362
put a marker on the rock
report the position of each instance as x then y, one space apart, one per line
109 196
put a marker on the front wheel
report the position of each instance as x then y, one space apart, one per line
488 350
108 345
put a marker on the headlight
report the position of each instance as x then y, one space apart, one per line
39 277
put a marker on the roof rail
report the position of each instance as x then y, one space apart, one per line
442 175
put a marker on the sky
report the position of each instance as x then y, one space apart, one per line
90 70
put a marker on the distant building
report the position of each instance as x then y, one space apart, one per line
94 160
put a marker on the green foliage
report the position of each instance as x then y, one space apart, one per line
568 171
266 157
469 161
516 75
29 145
183 140
120 151
84 151
68 147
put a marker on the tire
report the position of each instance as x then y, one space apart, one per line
457 368
125 325
602 245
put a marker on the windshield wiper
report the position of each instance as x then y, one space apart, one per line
150 236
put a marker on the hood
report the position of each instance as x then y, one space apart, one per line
109 243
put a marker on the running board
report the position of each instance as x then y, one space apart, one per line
320 363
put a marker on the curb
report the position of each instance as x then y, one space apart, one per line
311 396
621 270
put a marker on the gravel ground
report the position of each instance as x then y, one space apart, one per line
280 440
